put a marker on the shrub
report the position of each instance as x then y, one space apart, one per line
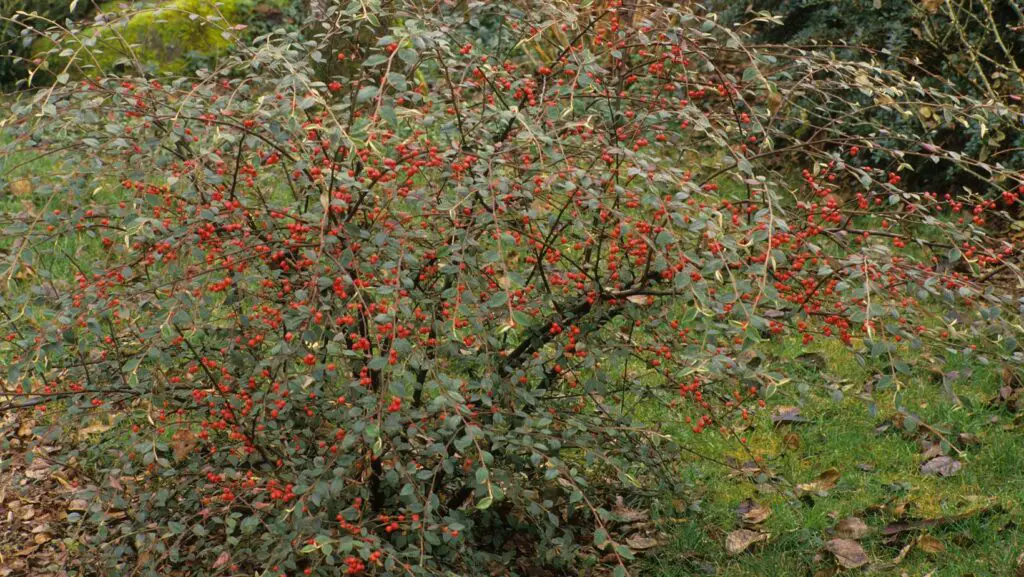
410 320
957 46
16 29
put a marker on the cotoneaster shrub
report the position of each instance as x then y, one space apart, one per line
406 321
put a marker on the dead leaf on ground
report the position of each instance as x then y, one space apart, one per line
222 559
627 515
641 543
930 544
784 415
739 540
825 481
1020 566
25 428
852 528
751 512
903 553
93 428
21 187
942 466
968 439
816 360
78 505
914 525
933 450
849 554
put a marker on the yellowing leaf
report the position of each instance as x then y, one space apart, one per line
739 540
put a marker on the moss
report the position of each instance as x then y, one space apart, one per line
169 37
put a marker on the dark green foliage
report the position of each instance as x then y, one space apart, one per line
971 47
15 41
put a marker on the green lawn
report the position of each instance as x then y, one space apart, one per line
880 479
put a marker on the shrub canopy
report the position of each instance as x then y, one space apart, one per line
417 305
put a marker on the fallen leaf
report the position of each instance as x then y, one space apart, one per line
904 526
934 450
930 544
21 187
739 540
852 528
641 543
92 429
942 466
627 515
785 415
849 554
903 553
825 481
25 429
751 512
791 441
78 505
816 360
968 439
223 558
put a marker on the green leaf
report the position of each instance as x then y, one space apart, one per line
485 503
249 524
497 299
601 538
366 94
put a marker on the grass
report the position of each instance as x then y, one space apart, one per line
880 479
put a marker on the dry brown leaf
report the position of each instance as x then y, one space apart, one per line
934 450
852 528
903 553
182 443
222 559
739 540
931 6
25 428
825 481
641 543
930 544
849 554
93 428
21 187
942 466
627 515
642 300
78 505
751 512
787 415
